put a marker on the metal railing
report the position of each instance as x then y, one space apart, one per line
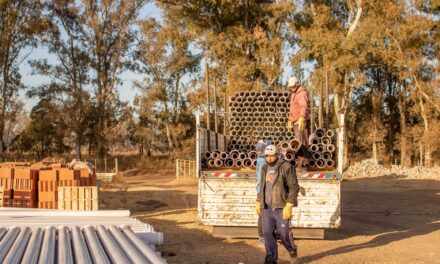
185 168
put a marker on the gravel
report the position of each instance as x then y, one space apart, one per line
371 168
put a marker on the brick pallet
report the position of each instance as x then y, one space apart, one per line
49 182
6 176
78 198
1 196
24 188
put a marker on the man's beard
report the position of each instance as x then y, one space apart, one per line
272 163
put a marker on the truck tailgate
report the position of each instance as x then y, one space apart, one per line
231 202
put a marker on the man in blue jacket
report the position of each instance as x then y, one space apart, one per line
261 162
278 194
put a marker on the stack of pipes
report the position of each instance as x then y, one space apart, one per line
258 116
232 159
322 148
254 116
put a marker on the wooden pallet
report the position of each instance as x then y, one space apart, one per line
77 198
1 196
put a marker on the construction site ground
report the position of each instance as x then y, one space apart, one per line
384 220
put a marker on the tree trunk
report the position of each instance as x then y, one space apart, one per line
405 157
377 94
78 147
427 149
170 142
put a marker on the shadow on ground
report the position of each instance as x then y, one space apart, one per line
388 210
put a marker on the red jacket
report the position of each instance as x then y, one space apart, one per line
299 105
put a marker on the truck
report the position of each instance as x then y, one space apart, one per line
227 195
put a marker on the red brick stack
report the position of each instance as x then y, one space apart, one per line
35 185
6 176
25 187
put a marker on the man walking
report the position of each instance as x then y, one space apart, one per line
300 118
261 162
278 194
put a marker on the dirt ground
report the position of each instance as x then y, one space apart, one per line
383 221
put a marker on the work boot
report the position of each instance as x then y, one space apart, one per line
293 257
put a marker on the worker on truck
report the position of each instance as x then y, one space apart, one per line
278 194
261 162
300 119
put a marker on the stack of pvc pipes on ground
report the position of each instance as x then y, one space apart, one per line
322 148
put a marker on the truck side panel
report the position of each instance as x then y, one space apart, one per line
231 202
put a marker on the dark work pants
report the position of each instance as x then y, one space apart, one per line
273 220
260 225
303 137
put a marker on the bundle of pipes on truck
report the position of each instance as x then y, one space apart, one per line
263 116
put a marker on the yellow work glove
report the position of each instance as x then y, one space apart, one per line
301 123
257 207
287 211
289 126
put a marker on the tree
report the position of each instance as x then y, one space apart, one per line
244 41
20 24
108 36
167 59
69 74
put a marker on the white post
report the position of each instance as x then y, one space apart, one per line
341 143
177 168
198 161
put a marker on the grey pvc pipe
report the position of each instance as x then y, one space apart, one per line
289 156
312 163
80 250
320 163
253 155
314 148
47 254
7 242
294 144
317 155
284 145
17 250
247 163
238 163
330 163
65 255
319 133
134 256
33 247
3 232
218 163
224 155
326 140
330 133
113 251
327 155
97 252
211 162
207 155
243 156
331 148
229 163
215 154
